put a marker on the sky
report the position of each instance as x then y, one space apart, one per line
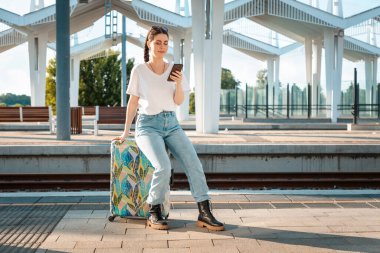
14 63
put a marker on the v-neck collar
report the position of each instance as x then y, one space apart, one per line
160 75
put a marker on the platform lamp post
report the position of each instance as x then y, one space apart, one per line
63 69
355 107
246 100
378 100
236 101
123 64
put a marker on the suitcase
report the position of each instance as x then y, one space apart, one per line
131 175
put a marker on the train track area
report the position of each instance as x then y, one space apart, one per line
223 181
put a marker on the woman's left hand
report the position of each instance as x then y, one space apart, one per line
177 77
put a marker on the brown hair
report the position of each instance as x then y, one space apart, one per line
154 30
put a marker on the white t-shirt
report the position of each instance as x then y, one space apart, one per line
155 92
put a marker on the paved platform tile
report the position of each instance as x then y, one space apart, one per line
229 198
120 238
98 244
18 200
95 199
96 206
267 198
256 206
288 205
354 205
251 242
145 244
58 245
145 231
215 249
80 237
375 204
190 243
125 250
322 205
169 236
59 199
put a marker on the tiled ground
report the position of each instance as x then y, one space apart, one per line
277 223
264 230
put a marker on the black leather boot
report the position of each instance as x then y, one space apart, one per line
155 220
206 219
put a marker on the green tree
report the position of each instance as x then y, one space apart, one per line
262 78
192 103
99 84
50 98
10 99
100 80
228 80
130 64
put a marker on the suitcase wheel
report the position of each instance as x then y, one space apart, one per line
111 218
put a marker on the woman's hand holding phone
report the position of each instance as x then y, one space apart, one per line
176 74
177 77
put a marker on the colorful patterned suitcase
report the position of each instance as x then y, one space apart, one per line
131 175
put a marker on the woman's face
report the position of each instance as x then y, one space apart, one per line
159 45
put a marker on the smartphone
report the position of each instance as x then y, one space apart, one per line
176 67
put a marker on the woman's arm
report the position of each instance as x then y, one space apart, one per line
130 114
178 94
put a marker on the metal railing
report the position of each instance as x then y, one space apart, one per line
294 102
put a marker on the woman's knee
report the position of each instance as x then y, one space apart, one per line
163 168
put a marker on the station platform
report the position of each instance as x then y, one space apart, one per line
246 151
255 221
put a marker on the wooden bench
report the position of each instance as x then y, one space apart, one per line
35 114
10 114
88 110
27 114
109 115
76 120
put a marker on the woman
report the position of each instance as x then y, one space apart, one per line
156 100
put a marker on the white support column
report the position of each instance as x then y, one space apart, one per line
374 79
187 53
198 34
335 7
368 79
314 3
317 56
207 59
212 67
373 34
74 80
337 85
329 6
178 6
186 8
177 59
277 80
36 6
338 8
37 47
309 60
329 63
270 74
183 110
176 48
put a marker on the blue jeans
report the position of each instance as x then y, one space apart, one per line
152 133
